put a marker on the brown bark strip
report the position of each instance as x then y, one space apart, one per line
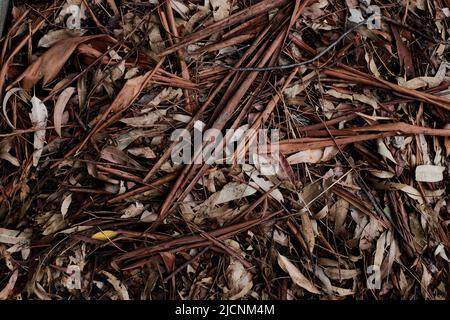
183 65
218 124
241 16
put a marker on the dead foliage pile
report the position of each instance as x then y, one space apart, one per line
94 207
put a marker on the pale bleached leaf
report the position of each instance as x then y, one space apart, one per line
429 173
239 280
372 66
381 173
430 82
306 156
114 155
120 288
180 7
65 204
221 9
60 106
280 238
55 36
355 15
5 147
340 274
145 152
259 181
146 120
414 193
440 251
133 210
297 277
233 191
165 95
313 156
339 211
148 216
9 236
384 151
54 224
75 229
38 116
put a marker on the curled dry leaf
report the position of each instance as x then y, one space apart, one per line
313 156
314 11
131 73
65 204
369 100
326 283
382 174
415 194
370 231
165 95
54 224
145 152
133 210
308 231
297 277
129 92
339 211
372 65
239 279
440 250
148 216
120 288
55 36
60 106
341 274
431 82
180 7
266 164
50 63
124 140
5 102
146 120
114 155
8 289
5 147
259 181
425 282
221 9
286 172
384 151
280 238
231 191
9 236
306 156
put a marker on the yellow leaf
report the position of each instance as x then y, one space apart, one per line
105 235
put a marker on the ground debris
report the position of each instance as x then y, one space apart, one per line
219 149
